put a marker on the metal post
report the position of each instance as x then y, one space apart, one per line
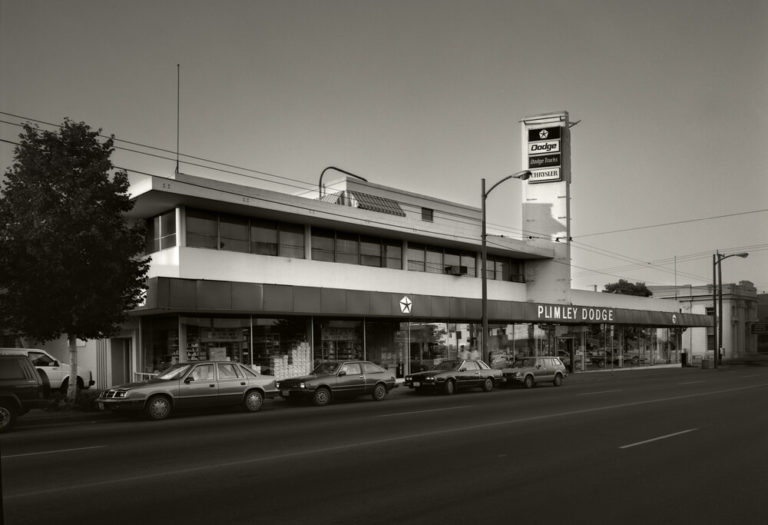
719 308
715 257
484 276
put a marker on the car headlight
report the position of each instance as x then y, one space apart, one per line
277 384
302 385
518 374
409 378
429 378
121 394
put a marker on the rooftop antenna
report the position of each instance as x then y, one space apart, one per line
178 112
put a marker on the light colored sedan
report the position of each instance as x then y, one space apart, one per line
193 385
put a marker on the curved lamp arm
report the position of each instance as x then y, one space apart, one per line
320 182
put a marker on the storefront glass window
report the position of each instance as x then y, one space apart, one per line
218 339
381 344
281 346
337 339
160 345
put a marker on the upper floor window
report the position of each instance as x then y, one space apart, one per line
436 259
161 232
427 214
243 234
351 248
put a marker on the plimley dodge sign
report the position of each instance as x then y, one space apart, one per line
544 159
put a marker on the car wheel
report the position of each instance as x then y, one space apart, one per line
158 407
558 380
253 401
450 387
379 392
488 384
322 396
528 382
7 416
601 364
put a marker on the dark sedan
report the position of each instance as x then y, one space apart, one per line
192 385
331 379
456 374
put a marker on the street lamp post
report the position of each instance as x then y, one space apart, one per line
522 175
717 299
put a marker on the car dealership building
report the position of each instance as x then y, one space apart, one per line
360 270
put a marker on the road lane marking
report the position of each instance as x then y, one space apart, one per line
424 411
62 450
600 392
667 436
242 462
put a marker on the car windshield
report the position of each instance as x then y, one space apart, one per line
173 372
326 367
449 365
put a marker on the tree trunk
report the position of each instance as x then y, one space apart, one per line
72 386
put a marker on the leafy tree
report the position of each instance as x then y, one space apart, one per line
69 261
627 288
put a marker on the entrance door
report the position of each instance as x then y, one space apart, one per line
120 361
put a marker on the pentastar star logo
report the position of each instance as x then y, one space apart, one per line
406 304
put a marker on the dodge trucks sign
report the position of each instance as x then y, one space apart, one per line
544 159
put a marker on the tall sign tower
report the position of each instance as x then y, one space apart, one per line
546 141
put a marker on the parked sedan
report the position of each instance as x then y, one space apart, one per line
331 379
197 384
452 375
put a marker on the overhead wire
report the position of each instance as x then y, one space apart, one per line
456 217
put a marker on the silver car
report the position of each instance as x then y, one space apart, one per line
193 385
529 371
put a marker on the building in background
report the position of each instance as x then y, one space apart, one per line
740 314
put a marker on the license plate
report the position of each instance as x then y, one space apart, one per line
285 393
101 406
416 384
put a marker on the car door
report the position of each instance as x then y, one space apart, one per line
351 380
52 368
468 375
199 387
231 382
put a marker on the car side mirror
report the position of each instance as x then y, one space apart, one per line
342 373
55 363
188 380
462 369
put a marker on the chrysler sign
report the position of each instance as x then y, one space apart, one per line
544 149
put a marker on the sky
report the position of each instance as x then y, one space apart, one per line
669 159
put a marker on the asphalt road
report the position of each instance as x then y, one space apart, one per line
657 446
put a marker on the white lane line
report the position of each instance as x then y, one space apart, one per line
52 452
659 438
597 393
424 411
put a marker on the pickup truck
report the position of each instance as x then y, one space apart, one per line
56 372
21 388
